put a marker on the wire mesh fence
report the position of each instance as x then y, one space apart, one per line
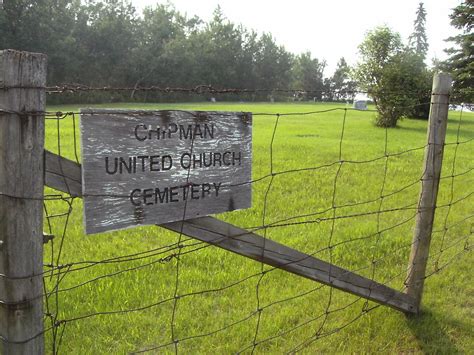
324 182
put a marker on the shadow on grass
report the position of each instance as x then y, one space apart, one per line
430 333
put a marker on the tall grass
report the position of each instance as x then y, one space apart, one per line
291 306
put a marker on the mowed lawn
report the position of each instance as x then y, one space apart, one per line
225 304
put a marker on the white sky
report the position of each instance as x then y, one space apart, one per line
328 29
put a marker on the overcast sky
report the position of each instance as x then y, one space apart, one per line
328 29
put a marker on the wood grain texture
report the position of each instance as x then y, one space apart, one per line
63 173
438 121
242 242
250 245
21 201
148 167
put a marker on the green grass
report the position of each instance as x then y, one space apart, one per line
445 326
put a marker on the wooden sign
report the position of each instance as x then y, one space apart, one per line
151 167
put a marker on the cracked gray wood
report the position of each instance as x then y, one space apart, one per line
148 167
21 201
432 165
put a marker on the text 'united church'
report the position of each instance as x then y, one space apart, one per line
187 160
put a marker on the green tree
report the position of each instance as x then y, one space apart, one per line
273 64
375 51
221 48
155 56
404 89
418 41
340 85
392 75
308 75
460 62
106 42
247 62
106 34
43 26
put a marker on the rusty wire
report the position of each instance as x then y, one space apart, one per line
175 252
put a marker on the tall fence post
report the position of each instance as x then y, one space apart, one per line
22 89
429 188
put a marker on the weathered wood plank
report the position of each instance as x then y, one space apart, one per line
242 242
59 170
21 205
429 186
62 173
250 245
144 167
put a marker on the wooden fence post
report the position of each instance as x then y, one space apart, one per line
22 82
429 188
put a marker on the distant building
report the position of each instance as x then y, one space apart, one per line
360 104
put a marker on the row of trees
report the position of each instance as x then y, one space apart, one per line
106 42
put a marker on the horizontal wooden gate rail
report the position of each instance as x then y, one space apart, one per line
65 175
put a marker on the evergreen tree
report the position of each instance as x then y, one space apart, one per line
460 62
418 41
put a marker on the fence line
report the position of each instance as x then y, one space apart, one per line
58 223
205 89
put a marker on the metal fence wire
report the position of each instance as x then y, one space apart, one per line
177 292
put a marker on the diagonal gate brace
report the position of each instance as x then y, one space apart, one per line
65 175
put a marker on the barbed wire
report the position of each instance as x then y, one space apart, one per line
210 89
199 89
